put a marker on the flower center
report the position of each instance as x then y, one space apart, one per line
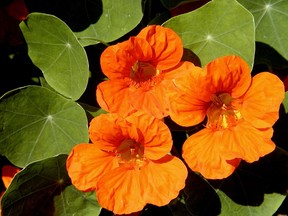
142 71
131 154
221 113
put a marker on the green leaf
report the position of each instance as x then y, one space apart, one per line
38 123
285 102
270 22
217 29
117 19
53 47
44 188
269 206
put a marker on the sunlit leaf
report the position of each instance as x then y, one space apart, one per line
117 19
53 47
270 22
217 29
269 206
44 188
38 123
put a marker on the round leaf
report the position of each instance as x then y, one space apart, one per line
270 22
44 188
38 123
217 29
117 19
53 47
269 206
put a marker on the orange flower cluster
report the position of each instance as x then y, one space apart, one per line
129 163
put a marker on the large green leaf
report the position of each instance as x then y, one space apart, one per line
217 29
269 206
53 47
44 188
38 123
270 22
117 19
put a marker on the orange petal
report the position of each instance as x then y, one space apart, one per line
156 136
262 101
120 191
246 142
167 46
117 60
153 101
113 96
105 132
163 179
86 164
8 173
229 74
202 153
188 103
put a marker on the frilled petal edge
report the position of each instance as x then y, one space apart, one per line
262 101
86 163
202 153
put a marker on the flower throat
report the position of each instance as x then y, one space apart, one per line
131 154
221 113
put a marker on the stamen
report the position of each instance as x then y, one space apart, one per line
143 71
131 154
221 113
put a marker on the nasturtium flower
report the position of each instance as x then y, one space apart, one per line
140 71
240 113
8 173
128 163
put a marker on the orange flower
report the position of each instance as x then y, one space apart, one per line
128 164
140 72
8 173
240 113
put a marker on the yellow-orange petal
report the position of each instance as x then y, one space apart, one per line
228 74
167 46
117 60
86 164
247 142
202 153
163 179
8 172
113 96
156 136
262 101
120 191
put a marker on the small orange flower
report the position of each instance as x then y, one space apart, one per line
128 164
8 172
140 72
240 113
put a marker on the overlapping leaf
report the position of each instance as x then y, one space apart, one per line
117 19
270 205
44 188
53 48
38 123
217 29
270 22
